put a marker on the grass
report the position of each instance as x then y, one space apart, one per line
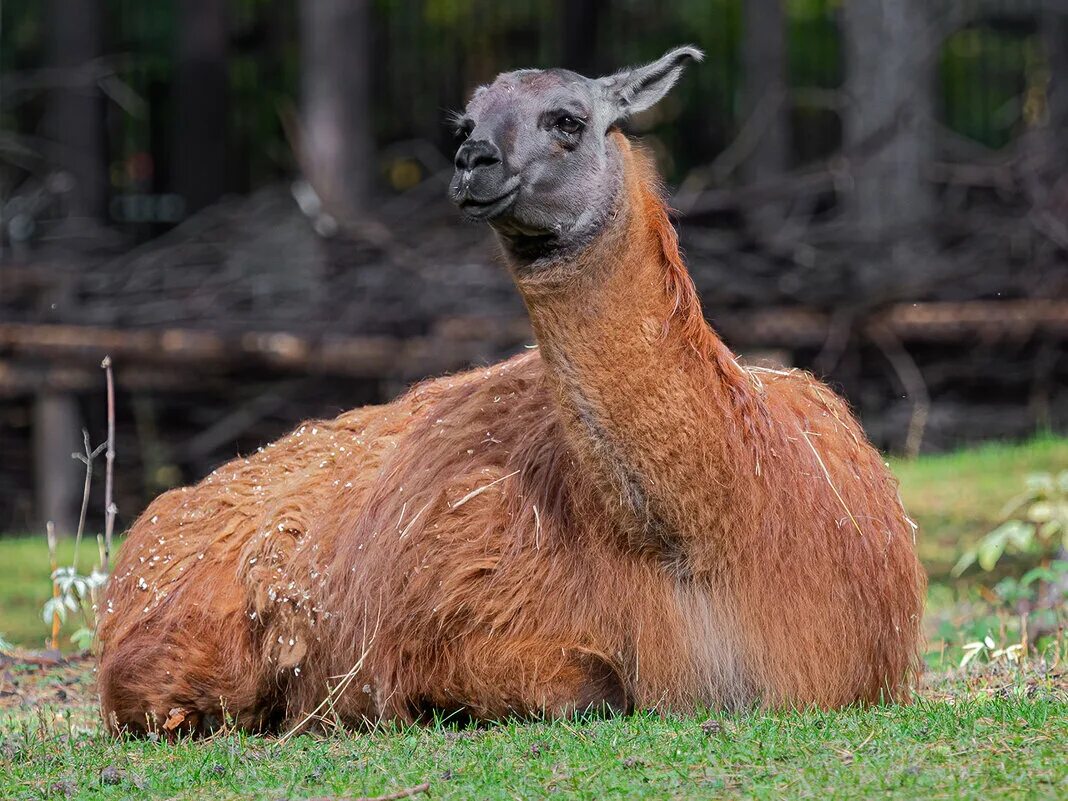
993 730
957 497
25 584
989 747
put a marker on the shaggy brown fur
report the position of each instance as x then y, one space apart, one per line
626 518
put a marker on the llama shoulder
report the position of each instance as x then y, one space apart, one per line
796 397
812 423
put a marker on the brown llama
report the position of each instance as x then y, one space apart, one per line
622 519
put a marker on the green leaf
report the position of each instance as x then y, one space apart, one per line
989 552
1062 481
967 559
1040 512
971 650
1041 484
1034 574
1048 531
992 546
1016 503
83 638
54 607
1018 533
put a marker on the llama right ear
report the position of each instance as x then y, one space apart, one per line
638 88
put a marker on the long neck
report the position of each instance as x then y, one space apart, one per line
649 395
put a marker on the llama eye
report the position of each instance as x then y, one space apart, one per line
463 130
569 125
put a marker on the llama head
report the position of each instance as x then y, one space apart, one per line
537 162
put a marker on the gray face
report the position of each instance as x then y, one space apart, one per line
537 162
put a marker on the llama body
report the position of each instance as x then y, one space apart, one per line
624 518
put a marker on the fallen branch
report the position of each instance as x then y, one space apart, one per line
407 792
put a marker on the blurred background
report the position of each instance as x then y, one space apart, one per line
243 203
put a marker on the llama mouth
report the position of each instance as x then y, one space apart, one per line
488 209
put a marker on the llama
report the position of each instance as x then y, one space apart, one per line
622 519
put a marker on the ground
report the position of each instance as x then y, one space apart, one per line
994 729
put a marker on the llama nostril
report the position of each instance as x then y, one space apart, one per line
477 153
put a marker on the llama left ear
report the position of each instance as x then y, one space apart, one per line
638 88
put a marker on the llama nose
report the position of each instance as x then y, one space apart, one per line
477 153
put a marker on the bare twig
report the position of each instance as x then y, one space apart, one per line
236 423
911 381
327 203
87 459
733 155
50 532
839 329
109 504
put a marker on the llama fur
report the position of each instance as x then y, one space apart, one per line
488 545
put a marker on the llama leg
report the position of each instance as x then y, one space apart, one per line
589 684
485 681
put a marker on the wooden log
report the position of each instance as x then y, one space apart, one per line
205 349
68 351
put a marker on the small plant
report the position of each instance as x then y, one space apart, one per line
1035 524
77 595
988 648
73 592
1013 590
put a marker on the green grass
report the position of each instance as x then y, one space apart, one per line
991 731
976 747
957 497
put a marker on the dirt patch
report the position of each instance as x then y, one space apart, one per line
33 681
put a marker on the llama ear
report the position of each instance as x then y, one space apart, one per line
638 88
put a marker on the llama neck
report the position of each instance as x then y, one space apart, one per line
647 391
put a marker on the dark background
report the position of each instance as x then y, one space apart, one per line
242 202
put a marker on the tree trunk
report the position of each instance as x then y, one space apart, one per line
889 144
764 106
579 21
74 115
1055 33
58 478
887 123
200 165
765 112
337 141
